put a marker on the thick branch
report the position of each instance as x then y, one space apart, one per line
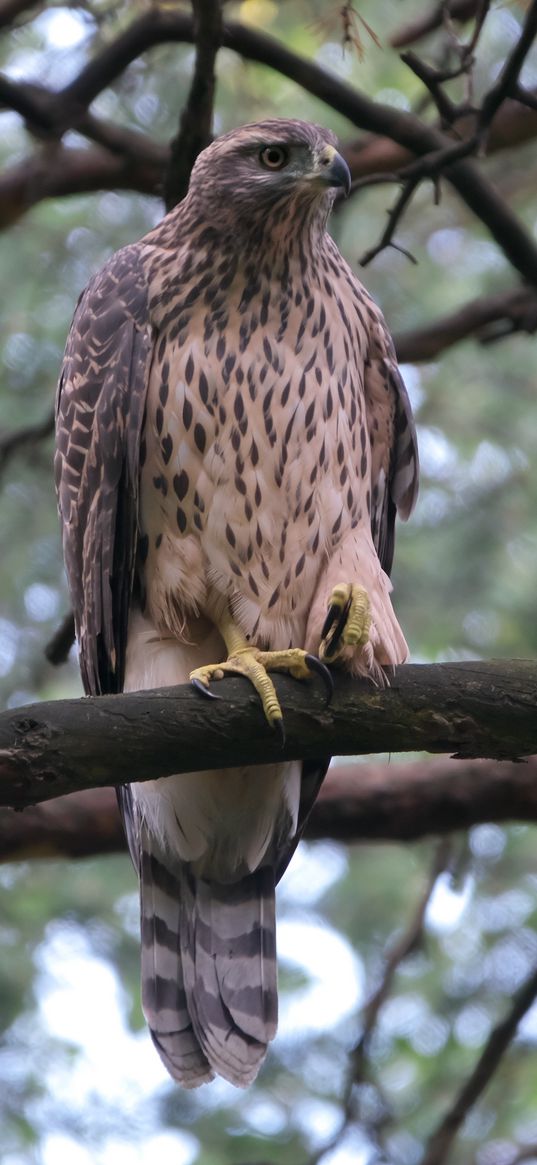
157 26
197 116
401 801
472 709
137 163
485 319
58 171
403 128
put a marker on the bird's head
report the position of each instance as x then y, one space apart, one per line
288 170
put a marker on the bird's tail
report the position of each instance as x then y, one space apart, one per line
209 986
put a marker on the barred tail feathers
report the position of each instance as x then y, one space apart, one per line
209 986
230 973
163 994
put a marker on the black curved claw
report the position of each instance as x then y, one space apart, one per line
334 613
318 666
279 727
205 691
331 616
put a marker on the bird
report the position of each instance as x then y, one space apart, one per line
233 443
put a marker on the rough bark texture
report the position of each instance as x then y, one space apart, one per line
471 709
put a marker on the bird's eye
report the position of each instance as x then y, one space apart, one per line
274 157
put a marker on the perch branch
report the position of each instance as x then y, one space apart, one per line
471 709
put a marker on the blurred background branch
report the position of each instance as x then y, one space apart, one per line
399 801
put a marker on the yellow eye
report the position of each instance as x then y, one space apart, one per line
274 157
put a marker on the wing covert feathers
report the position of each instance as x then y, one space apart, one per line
392 434
99 416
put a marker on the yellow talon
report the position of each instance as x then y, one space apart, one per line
248 661
348 621
254 665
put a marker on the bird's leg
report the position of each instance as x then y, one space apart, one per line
347 623
246 660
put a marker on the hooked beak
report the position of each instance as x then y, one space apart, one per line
333 169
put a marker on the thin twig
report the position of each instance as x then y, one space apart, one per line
405 945
394 217
507 84
461 10
440 1144
432 79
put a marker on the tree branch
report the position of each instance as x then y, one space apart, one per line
57 649
472 709
507 84
57 171
460 10
441 1142
406 942
157 26
486 319
197 116
399 801
11 9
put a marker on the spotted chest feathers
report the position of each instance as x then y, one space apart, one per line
255 458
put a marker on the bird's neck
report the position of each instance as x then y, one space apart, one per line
276 236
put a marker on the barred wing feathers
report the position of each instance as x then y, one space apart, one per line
392 433
99 418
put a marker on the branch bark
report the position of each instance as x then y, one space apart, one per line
485 318
472 709
513 126
158 26
399 801
68 107
57 171
197 116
